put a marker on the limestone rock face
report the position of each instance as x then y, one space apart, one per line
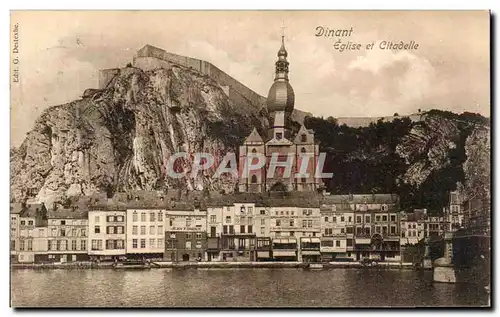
426 148
120 138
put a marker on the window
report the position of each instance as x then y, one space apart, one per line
393 230
119 218
110 244
110 219
199 236
350 219
119 229
250 210
160 243
63 222
73 232
198 244
358 219
337 243
367 219
342 230
304 223
349 243
303 138
151 229
327 243
384 218
134 216
377 218
262 222
349 230
171 222
63 232
188 236
384 208
254 179
134 243
152 217
377 229
73 245
152 243
23 222
262 230
97 229
160 230
328 231
143 217
224 229
95 244
262 211
393 218
143 243
213 218
309 223
143 230
278 223
326 219
342 219
231 229
250 229
30 232
96 219
83 245
111 230
134 230
303 180
242 229
334 219
359 231
119 244
228 219
188 245
30 222
292 222
367 231
188 222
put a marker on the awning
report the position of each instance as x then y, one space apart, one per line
283 253
285 240
311 253
263 254
363 241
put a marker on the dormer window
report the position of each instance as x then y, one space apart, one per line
303 138
384 208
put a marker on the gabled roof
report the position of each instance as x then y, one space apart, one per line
254 138
301 131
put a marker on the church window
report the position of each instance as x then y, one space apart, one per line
303 138
254 179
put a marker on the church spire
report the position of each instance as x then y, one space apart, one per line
282 63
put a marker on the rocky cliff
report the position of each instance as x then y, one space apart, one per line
120 138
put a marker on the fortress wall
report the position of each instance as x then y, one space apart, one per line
105 76
150 63
237 90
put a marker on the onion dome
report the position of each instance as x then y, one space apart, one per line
281 96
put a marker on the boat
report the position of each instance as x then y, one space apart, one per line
131 265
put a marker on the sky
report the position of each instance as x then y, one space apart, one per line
60 53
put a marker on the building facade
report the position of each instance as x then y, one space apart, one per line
107 234
67 235
145 233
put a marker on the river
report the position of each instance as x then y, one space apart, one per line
237 288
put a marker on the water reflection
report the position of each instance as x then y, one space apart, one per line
237 288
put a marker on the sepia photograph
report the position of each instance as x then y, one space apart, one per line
263 159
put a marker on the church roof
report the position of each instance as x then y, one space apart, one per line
254 137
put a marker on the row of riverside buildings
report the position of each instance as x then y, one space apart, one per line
305 227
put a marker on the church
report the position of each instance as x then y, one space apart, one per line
282 143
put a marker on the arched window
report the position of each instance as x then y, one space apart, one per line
384 208
254 179
303 138
254 151
303 150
